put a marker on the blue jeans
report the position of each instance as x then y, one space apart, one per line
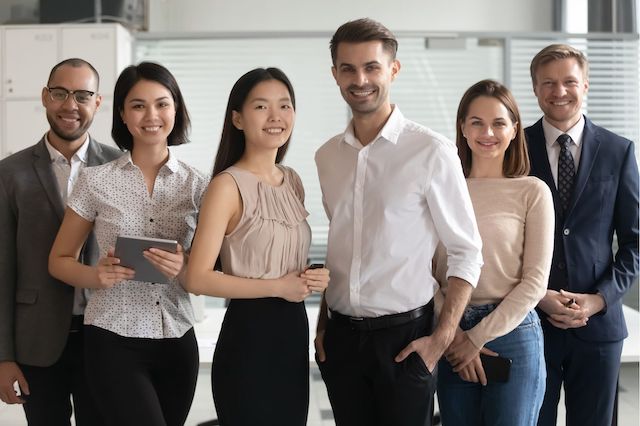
515 403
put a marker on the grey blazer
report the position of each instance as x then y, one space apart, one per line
35 308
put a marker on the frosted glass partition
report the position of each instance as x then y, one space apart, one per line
436 70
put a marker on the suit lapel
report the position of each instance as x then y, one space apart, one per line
590 147
42 166
540 158
94 153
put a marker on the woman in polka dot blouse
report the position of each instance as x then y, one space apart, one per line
140 348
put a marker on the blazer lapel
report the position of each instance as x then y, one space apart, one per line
42 166
540 158
95 157
590 147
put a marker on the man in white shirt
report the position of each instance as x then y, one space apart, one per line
392 189
41 336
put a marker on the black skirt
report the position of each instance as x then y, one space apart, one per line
260 371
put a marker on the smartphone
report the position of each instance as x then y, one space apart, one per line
496 368
316 266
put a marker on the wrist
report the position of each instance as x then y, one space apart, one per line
444 335
274 288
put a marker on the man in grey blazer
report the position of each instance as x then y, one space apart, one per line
41 318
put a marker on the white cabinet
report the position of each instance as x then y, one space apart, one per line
25 123
27 54
101 127
107 48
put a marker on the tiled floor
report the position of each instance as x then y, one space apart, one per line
319 409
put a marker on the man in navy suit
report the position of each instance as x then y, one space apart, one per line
593 176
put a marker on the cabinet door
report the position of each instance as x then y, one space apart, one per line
101 126
30 53
96 46
25 124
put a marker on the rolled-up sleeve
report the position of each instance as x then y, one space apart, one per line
453 216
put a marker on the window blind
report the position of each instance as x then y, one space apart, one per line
435 73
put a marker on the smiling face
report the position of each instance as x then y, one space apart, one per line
149 112
560 88
488 129
364 72
267 116
68 119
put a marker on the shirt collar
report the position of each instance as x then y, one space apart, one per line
171 164
80 155
551 133
390 131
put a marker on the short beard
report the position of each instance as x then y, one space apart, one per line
69 137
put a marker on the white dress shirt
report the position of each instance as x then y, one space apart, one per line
66 173
389 203
115 198
553 147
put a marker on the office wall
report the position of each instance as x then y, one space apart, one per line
327 15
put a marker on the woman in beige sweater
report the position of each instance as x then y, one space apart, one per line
516 218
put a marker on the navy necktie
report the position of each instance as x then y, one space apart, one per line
566 171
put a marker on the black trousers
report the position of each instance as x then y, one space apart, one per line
140 382
366 386
52 388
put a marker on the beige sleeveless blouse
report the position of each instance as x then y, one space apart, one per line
273 236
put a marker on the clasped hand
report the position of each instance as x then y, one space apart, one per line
298 286
570 310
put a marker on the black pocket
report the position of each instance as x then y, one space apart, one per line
27 296
415 367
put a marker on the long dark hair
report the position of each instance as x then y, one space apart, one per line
232 142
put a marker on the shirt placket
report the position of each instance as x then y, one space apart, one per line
151 212
358 214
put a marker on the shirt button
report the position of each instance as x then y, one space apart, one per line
566 231
151 220
561 265
157 303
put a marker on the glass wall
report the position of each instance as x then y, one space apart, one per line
436 70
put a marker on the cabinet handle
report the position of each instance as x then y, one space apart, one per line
100 36
43 37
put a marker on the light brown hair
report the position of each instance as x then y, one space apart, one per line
555 52
516 157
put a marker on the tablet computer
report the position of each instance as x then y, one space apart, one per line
129 250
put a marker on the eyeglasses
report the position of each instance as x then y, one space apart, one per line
60 94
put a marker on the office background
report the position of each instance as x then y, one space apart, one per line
444 48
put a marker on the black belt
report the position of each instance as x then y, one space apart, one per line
77 322
385 321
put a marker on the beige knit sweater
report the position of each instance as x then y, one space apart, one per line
516 222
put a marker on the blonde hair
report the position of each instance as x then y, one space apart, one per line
555 52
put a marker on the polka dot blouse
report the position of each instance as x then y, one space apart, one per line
115 198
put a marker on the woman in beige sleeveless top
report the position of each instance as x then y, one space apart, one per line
253 219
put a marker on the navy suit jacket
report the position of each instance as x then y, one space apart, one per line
35 308
604 201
